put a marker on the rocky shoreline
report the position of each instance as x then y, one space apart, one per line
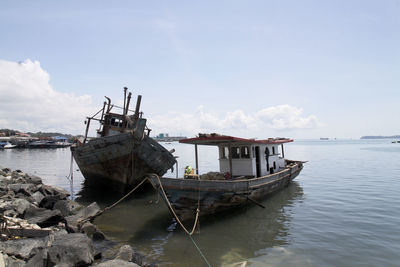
41 226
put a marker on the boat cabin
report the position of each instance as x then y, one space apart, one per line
114 123
239 157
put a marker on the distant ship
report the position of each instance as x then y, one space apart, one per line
324 138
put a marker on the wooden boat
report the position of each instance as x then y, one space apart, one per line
123 152
250 170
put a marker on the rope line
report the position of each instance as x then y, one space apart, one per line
173 211
179 221
199 250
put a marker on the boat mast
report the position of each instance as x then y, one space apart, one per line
125 88
137 109
127 103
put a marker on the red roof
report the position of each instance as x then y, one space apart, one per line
215 140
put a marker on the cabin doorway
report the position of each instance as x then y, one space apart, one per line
258 165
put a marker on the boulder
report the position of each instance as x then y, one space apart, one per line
74 221
71 250
3 259
49 201
14 262
38 259
98 235
117 263
37 197
125 253
26 189
33 179
20 205
89 229
67 207
22 248
6 170
43 217
53 190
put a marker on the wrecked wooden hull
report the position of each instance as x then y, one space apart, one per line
216 196
121 161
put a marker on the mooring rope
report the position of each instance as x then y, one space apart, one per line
116 203
179 221
173 211
199 250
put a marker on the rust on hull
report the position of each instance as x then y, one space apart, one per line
215 196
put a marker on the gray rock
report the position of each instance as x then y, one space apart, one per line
14 262
49 201
7 170
3 258
117 263
71 249
33 179
125 253
89 229
39 258
43 217
74 221
26 189
16 206
21 205
98 236
67 207
22 248
37 197
53 190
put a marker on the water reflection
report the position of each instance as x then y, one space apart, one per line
226 238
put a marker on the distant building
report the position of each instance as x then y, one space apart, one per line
164 137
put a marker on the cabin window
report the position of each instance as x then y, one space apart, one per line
225 152
273 151
274 165
245 152
235 152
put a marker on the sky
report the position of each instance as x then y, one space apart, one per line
299 69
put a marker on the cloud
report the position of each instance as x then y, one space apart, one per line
272 120
29 102
285 117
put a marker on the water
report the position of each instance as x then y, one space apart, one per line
342 210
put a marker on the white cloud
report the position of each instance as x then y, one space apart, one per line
29 102
285 117
271 120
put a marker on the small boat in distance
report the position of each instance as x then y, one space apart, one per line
122 153
249 171
6 145
51 142
324 138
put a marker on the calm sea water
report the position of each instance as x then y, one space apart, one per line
342 210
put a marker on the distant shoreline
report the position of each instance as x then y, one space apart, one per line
381 137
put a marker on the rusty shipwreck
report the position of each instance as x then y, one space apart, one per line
250 170
122 153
